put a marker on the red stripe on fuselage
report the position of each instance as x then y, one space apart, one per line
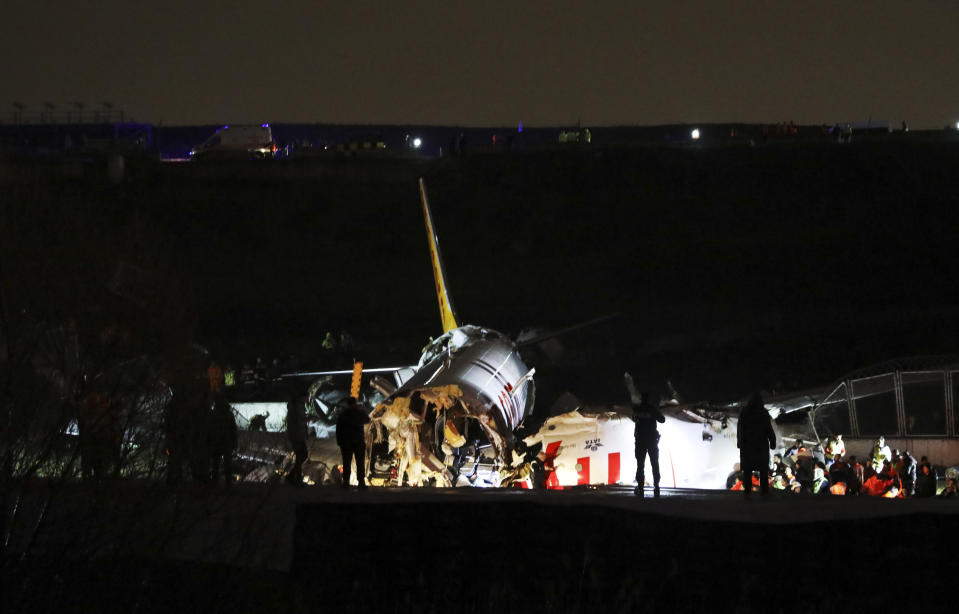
613 468
582 476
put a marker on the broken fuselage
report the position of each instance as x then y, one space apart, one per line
470 390
470 387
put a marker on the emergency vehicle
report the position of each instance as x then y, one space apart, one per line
255 142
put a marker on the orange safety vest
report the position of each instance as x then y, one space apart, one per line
839 488
215 374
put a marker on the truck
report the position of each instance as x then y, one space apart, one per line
254 142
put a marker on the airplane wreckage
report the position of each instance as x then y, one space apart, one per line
452 420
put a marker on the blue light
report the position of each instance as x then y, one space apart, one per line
266 125
520 129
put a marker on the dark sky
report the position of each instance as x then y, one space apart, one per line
487 63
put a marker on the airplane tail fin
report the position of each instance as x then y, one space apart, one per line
447 313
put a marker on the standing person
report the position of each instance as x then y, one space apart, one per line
880 453
645 416
351 437
223 440
754 432
925 479
296 432
835 445
908 474
199 436
215 374
229 376
100 432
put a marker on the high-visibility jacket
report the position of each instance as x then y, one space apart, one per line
215 374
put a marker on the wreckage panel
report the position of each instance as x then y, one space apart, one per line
691 455
486 371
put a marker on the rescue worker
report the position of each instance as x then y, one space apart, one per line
735 477
820 485
835 445
645 416
925 479
805 468
883 484
858 473
841 473
880 453
229 376
215 374
908 474
296 432
754 433
794 449
351 437
223 440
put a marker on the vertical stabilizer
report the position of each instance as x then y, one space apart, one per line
447 314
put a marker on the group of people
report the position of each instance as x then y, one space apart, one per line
887 473
200 428
350 437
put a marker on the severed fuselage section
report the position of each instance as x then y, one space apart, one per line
459 409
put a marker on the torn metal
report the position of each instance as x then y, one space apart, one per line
454 415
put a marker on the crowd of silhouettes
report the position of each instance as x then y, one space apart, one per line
199 424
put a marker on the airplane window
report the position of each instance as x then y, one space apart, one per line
874 401
924 403
832 415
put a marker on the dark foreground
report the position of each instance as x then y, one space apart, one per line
260 548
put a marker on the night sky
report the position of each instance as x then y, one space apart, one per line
488 63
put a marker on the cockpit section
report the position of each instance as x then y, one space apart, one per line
470 392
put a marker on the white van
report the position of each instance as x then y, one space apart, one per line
238 141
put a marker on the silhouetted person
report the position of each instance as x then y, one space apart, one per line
296 432
100 435
925 479
198 439
755 438
223 440
908 474
179 421
215 374
351 437
258 422
645 416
